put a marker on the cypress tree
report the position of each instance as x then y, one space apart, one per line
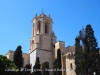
79 59
55 67
45 67
90 49
59 59
18 60
90 56
36 68
97 60
59 65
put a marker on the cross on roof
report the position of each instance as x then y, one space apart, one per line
42 9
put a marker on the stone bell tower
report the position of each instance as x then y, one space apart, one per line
42 41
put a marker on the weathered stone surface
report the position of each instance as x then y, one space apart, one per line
32 59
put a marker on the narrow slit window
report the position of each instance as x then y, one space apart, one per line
71 67
39 27
45 28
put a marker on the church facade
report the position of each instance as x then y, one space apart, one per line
43 44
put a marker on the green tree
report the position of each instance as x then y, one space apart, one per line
27 70
90 48
78 57
90 53
57 64
6 66
55 67
97 60
36 68
18 59
45 67
59 72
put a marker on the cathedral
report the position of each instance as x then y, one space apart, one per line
43 44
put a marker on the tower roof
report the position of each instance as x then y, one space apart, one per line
42 14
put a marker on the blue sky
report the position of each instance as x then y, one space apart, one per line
69 16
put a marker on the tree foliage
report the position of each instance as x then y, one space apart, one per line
36 68
18 59
7 67
55 67
78 56
87 54
57 64
45 67
27 70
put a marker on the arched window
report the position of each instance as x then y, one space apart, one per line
46 28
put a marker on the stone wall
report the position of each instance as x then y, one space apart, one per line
43 55
26 57
32 59
67 54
